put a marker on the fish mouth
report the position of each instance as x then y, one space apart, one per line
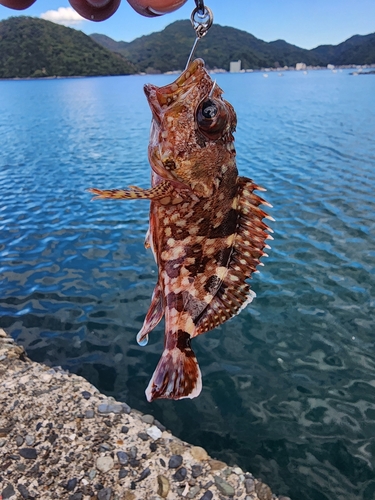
163 96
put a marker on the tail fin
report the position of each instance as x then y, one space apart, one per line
177 376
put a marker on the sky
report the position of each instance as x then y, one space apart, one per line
305 23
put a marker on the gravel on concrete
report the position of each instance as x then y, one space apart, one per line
60 438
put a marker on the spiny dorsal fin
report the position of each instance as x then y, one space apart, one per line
232 293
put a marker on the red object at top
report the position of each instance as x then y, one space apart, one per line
95 10
17 4
152 8
99 10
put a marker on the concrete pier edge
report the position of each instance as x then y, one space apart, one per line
60 438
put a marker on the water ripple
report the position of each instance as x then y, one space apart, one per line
289 385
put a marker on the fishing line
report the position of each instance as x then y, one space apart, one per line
201 19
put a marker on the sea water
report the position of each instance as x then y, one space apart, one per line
289 384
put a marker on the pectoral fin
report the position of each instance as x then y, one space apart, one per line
158 192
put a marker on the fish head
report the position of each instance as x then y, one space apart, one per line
192 130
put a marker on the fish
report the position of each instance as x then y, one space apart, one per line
206 225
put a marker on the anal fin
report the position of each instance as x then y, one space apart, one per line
153 316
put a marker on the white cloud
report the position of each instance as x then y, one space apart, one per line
63 15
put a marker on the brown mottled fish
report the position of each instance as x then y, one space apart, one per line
206 228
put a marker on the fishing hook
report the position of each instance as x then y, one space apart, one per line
212 90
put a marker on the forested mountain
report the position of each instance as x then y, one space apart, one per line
31 47
356 50
168 49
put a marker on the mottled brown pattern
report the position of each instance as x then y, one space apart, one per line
206 228
183 342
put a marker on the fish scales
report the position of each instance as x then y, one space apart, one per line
206 226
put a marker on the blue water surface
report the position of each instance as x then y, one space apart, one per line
289 384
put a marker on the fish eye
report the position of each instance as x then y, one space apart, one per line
212 118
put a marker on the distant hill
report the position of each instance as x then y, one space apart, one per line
31 47
109 43
359 49
168 49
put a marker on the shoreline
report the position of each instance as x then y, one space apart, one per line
357 68
60 438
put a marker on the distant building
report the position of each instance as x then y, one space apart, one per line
330 66
235 66
300 66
